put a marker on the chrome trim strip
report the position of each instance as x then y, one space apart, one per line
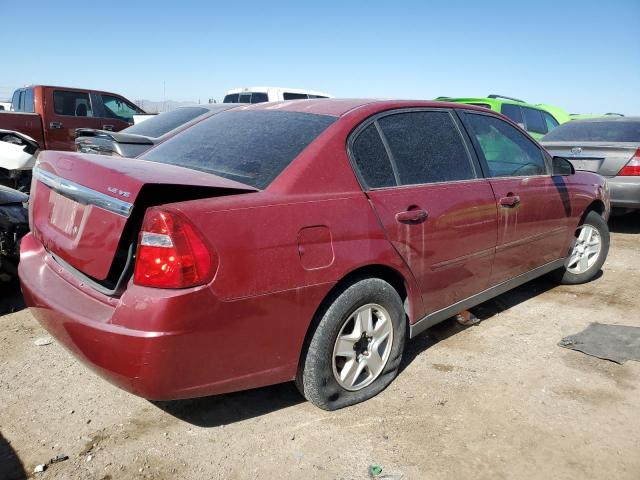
83 194
448 312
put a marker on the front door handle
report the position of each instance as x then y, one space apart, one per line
412 216
510 201
108 127
55 125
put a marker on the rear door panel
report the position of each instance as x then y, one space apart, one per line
451 253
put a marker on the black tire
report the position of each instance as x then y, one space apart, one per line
596 221
315 379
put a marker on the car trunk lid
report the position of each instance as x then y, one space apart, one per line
86 209
605 158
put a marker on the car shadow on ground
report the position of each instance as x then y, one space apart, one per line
229 408
10 298
484 312
225 409
11 467
629 223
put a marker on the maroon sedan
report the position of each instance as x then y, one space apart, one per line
300 240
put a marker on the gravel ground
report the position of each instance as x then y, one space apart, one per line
496 400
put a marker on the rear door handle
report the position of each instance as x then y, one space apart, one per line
108 127
412 216
510 201
55 125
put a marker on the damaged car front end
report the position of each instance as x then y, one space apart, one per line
14 224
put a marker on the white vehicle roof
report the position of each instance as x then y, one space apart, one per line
269 90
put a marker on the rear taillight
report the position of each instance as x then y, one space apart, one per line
171 253
632 168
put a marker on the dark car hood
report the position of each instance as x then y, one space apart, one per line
9 195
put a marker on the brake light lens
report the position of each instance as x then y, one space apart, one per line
632 168
171 253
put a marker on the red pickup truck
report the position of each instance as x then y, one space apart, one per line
50 115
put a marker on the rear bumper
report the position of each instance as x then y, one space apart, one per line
168 344
624 192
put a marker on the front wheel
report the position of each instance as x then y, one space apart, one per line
588 252
356 348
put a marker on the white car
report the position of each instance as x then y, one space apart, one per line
270 94
18 153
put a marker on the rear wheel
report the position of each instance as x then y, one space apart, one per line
588 252
356 348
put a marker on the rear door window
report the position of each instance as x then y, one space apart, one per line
533 120
507 151
426 147
371 159
514 112
119 109
73 104
251 147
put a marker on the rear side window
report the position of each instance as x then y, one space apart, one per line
534 121
513 112
426 147
294 96
231 98
507 151
165 122
549 121
372 160
251 147
596 131
73 104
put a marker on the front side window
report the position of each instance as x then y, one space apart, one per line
426 147
73 104
119 109
371 159
534 121
507 151
513 112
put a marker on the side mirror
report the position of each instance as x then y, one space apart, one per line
562 166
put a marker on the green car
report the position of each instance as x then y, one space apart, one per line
538 119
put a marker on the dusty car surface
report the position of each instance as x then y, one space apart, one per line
298 240
609 146
140 137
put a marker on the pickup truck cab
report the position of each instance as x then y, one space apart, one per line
50 115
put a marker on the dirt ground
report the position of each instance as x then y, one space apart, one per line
496 400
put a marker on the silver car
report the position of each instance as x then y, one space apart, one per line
609 146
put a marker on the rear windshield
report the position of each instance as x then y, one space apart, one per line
165 122
590 131
245 146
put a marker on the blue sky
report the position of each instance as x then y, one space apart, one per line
581 55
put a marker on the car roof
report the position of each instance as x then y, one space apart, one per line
338 107
606 118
